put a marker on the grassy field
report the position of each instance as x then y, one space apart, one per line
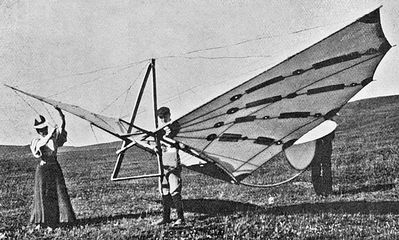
364 205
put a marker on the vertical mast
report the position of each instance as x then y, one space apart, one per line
159 155
154 89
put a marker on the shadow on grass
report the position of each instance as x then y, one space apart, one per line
103 219
223 207
217 206
205 206
354 207
213 207
370 188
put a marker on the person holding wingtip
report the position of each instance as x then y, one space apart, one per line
51 205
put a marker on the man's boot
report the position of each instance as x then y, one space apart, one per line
166 204
179 209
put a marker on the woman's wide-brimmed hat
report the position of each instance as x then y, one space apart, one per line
41 123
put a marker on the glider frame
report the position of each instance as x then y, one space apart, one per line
127 143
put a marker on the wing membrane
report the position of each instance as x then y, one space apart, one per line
111 125
248 125
234 134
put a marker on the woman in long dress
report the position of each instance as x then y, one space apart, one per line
52 205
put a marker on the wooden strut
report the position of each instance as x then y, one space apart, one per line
129 143
157 140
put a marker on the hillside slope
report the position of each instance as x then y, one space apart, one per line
364 203
376 115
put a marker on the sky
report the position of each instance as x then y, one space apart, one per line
94 53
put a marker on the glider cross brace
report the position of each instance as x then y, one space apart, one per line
128 142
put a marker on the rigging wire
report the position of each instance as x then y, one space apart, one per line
83 73
95 136
37 112
128 90
182 55
30 106
226 77
252 70
179 92
241 43
217 58
48 112
89 81
124 92
26 102
129 65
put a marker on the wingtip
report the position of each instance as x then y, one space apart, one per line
6 85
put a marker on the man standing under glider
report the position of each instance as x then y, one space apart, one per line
321 165
171 184
51 200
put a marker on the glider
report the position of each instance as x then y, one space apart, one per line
241 130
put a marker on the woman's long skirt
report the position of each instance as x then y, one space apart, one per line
51 200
